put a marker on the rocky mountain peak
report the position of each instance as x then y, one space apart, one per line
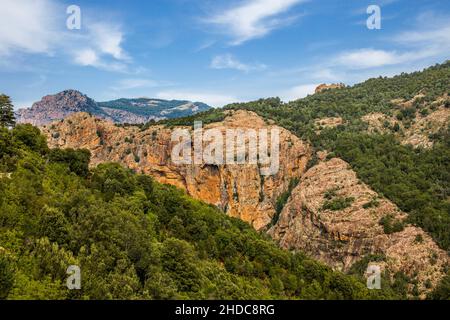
60 105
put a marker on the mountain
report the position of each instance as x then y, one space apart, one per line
364 173
134 238
133 111
339 236
58 106
149 151
145 109
363 180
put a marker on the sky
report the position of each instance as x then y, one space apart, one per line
213 51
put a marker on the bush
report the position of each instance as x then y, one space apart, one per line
338 203
77 160
30 137
391 225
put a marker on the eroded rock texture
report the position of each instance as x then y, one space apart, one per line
341 237
240 190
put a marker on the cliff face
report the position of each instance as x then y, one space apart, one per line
330 215
315 221
240 190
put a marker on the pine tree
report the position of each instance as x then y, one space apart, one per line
7 118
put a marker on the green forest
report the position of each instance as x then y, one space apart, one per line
417 180
137 239
134 238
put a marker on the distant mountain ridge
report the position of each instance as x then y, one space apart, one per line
133 111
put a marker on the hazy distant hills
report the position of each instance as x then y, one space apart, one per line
140 110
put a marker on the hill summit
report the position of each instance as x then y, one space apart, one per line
134 111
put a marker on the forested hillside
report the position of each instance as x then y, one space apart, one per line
134 238
416 179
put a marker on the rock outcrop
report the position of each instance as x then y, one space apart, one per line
341 235
330 215
418 131
240 190
324 87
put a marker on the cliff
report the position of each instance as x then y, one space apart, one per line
240 190
335 218
331 215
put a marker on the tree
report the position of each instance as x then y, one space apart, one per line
6 277
7 118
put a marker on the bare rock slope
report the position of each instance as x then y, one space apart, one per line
240 190
330 215
335 218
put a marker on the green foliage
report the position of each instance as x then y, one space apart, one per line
7 118
283 198
442 291
391 225
6 276
213 115
31 137
338 203
134 238
77 160
374 203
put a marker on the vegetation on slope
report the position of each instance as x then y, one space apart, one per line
134 238
417 180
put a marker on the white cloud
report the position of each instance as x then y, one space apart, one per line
138 83
431 39
102 44
27 26
108 39
325 74
213 99
372 58
298 92
38 27
367 58
86 57
227 61
253 19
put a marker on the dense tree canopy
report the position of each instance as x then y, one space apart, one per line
7 118
134 238
417 180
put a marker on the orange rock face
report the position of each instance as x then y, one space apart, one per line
240 190
338 238
324 86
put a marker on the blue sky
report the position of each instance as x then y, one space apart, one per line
212 51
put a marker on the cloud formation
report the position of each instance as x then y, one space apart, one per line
228 61
253 19
27 26
298 92
37 27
